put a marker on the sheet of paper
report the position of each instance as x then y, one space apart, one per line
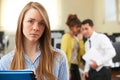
92 54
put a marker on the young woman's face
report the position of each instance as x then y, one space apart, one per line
75 29
33 25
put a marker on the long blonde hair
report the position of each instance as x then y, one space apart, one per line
47 53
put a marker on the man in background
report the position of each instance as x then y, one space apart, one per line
97 69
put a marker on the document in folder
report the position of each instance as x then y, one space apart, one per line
92 54
17 75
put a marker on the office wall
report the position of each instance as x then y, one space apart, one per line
12 8
102 25
0 14
83 8
93 9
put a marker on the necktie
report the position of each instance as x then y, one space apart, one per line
89 43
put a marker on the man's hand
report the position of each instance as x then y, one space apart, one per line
85 75
93 65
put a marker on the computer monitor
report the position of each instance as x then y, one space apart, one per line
17 75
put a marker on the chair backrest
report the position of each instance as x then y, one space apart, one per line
1 39
117 48
56 38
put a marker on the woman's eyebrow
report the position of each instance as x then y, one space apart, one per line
31 18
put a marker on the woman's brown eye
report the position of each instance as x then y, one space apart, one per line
42 23
30 21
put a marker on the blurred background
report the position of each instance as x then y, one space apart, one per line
104 13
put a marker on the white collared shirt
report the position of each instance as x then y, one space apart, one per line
104 46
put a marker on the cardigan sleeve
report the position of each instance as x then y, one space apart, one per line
64 43
66 47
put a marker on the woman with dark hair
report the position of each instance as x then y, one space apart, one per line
33 48
73 46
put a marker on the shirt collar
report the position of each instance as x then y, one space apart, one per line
92 36
38 53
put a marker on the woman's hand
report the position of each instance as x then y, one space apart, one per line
80 36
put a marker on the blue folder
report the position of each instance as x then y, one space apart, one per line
17 75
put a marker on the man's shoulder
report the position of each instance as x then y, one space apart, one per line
101 35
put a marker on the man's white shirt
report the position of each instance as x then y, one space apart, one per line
104 46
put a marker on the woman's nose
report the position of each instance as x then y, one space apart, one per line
35 27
